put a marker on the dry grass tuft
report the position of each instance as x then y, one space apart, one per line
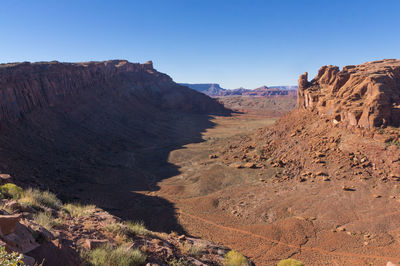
107 255
78 210
39 199
45 219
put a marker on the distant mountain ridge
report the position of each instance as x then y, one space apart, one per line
215 90
210 89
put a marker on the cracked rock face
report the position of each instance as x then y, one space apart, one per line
365 96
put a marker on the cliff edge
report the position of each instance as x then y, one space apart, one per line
28 86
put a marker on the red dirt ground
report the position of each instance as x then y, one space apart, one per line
291 202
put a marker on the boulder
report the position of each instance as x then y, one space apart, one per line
250 165
57 252
182 238
29 261
41 233
21 240
348 188
8 223
5 178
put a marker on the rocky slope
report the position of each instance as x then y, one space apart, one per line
36 224
99 133
319 165
333 110
366 95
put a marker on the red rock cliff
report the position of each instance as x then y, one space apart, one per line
27 86
365 96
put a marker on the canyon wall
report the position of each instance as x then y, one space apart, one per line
97 132
365 96
27 86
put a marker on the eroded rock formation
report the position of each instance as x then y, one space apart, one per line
365 96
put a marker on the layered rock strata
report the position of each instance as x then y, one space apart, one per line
28 86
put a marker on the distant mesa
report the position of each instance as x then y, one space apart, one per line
365 96
215 90
210 89
265 91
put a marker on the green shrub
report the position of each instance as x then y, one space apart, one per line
234 258
79 210
290 262
10 190
109 256
40 199
10 259
45 219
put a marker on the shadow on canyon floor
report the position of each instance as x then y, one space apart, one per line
101 160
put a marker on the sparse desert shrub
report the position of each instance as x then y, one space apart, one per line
190 249
290 262
179 262
196 250
45 219
234 258
40 199
136 228
10 259
129 228
109 256
79 210
121 239
116 228
396 143
10 190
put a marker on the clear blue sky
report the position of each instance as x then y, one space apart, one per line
235 43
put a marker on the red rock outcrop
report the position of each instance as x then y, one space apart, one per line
27 86
364 96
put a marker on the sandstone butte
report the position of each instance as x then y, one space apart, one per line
364 96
